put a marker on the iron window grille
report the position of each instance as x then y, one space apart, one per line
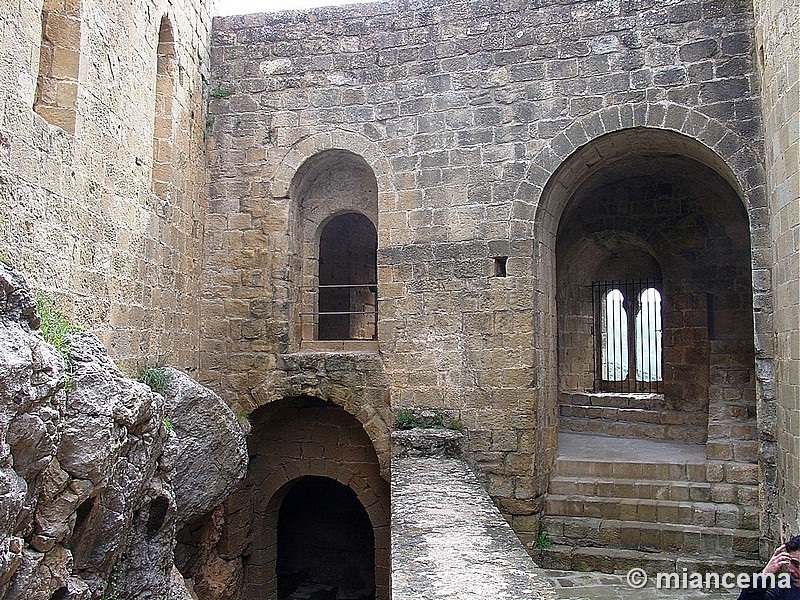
627 330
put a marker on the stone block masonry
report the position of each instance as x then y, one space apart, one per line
463 112
79 213
171 184
778 40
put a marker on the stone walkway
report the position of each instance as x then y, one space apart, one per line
449 541
601 586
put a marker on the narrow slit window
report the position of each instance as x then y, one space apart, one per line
59 61
500 266
163 123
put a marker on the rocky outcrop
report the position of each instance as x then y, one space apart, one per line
212 451
93 473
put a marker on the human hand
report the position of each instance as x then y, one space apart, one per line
780 558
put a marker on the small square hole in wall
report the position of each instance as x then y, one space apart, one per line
500 264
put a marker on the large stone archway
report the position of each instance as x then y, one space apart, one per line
657 205
650 216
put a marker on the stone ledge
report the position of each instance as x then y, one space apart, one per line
339 346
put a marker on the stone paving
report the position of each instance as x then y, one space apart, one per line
603 586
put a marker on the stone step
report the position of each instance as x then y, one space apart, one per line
664 471
612 560
706 514
614 400
630 415
652 537
642 424
593 487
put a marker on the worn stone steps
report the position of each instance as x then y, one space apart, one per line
663 471
697 491
628 415
629 423
611 560
646 510
652 537
653 402
615 502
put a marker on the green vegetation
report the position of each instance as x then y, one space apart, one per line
111 589
408 419
542 541
155 377
167 424
221 92
55 327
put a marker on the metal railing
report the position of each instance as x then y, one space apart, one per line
627 330
340 312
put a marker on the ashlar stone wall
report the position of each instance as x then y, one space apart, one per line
464 111
778 38
79 213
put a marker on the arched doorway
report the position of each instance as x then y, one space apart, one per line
650 439
664 227
313 509
325 542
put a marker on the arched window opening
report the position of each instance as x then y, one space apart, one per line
648 336
326 546
628 336
347 300
162 125
614 333
59 60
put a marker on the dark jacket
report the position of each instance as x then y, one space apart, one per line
760 592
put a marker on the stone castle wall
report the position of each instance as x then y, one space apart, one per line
778 35
464 112
466 128
80 213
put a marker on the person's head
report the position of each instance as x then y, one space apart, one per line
793 544
792 547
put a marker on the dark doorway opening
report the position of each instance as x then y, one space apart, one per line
326 546
348 248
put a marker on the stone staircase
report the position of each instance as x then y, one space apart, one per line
628 415
618 503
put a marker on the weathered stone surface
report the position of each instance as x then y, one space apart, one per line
212 451
87 506
441 443
450 541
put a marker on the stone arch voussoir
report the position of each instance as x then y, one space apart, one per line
336 139
370 408
744 168
341 473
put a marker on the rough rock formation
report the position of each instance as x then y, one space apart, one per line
88 466
212 454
